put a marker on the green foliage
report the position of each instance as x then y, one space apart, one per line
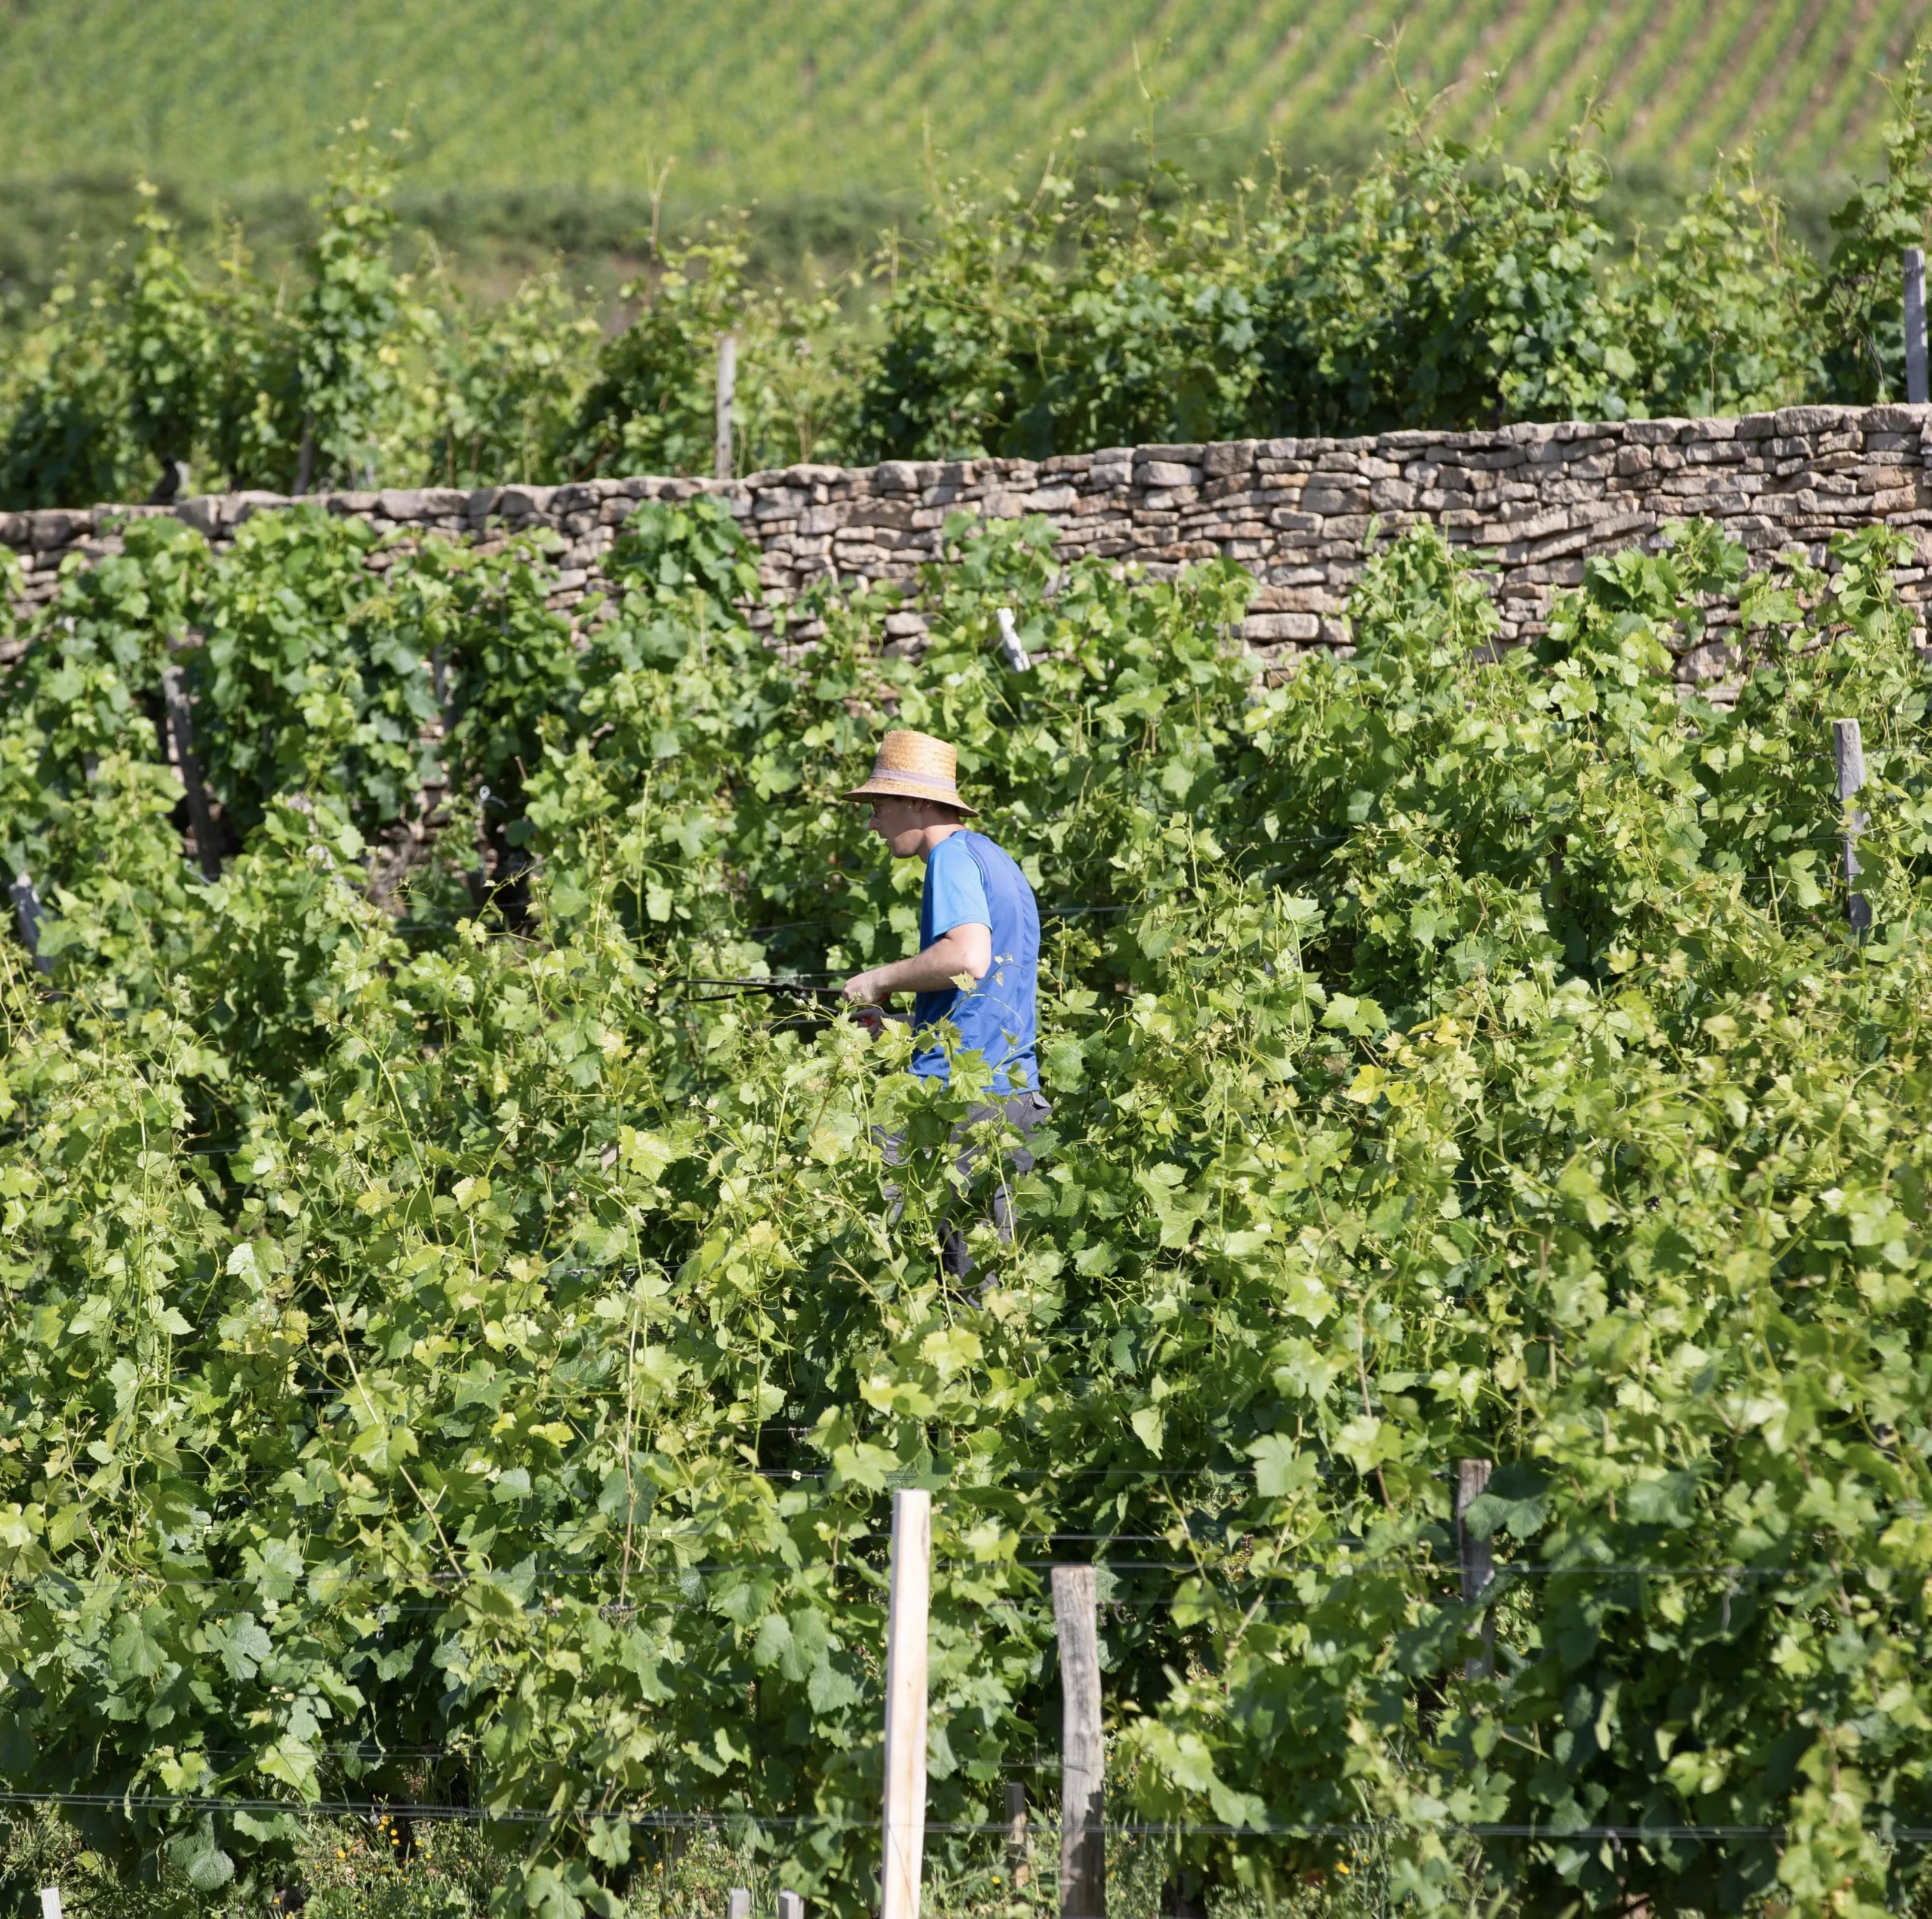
1059 324
170 372
327 681
209 366
454 1353
85 794
345 364
651 406
208 370
1861 295
1718 322
65 416
504 383
1428 296
319 697
1440 286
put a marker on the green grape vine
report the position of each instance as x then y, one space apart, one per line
452 1359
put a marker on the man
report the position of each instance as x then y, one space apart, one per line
978 962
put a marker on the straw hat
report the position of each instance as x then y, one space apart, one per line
914 766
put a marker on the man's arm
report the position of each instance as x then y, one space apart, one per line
966 949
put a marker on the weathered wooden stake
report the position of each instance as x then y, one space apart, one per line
791 1905
1018 1848
50 1902
738 1903
727 391
1914 326
1848 750
1848 755
1083 1842
305 456
1478 1561
27 916
906 1702
180 723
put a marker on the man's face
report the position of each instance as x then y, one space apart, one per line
902 823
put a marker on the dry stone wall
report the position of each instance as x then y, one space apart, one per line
1533 502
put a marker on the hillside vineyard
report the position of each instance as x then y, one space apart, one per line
845 97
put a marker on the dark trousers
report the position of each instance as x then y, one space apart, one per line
1022 1112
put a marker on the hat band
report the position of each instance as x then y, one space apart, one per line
929 779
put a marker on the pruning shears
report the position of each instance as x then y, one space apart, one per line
793 986
797 986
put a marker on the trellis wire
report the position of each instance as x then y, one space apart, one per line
734 1817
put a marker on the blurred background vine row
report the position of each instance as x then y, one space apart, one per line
1437 285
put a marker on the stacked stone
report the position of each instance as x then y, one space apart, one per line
1532 502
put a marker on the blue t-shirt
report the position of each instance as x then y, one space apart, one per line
970 882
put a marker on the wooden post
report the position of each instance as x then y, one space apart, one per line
727 393
1848 751
50 1902
25 897
1914 326
1479 1562
738 1903
906 1702
1014 653
440 676
180 722
1083 1840
1019 1866
791 1905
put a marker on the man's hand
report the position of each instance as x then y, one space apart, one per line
965 953
863 988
